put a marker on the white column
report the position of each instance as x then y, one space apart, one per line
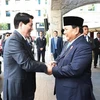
55 21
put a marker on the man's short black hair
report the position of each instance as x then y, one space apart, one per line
85 26
22 17
56 31
98 33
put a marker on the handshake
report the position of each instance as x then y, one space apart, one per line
50 66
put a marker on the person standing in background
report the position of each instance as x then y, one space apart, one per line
56 45
5 37
88 39
97 49
41 46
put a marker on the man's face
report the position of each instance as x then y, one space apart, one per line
85 30
27 28
98 35
6 36
55 34
70 33
41 34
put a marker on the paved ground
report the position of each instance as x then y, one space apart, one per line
96 82
45 84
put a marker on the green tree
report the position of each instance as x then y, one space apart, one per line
3 26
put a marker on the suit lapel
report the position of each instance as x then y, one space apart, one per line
66 52
57 40
28 48
24 42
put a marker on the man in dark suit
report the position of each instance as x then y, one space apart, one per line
72 69
41 46
19 63
97 49
56 45
88 38
5 36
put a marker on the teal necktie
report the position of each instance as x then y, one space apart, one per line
68 45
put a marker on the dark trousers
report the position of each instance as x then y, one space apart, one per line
39 54
96 55
55 55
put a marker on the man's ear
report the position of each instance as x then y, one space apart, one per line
77 30
20 24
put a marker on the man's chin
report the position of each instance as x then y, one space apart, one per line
28 35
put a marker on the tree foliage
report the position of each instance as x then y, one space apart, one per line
3 26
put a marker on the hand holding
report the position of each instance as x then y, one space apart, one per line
49 69
53 63
41 49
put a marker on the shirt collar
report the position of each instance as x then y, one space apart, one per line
21 35
75 39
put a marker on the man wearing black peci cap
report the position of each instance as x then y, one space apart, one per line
72 69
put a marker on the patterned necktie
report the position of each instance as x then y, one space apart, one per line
85 38
28 45
68 45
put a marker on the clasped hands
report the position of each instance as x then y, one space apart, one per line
41 49
50 66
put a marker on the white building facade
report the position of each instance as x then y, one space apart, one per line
8 8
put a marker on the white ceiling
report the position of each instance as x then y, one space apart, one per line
68 5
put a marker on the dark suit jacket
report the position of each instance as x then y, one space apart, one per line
59 45
91 41
41 43
97 46
73 72
19 69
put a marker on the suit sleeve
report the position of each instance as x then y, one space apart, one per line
22 57
37 43
93 45
61 43
45 41
81 60
52 45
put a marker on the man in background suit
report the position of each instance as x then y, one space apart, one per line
5 37
41 46
56 45
19 63
72 69
97 49
88 39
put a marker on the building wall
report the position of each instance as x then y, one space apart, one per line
37 8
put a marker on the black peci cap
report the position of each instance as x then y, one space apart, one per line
73 20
